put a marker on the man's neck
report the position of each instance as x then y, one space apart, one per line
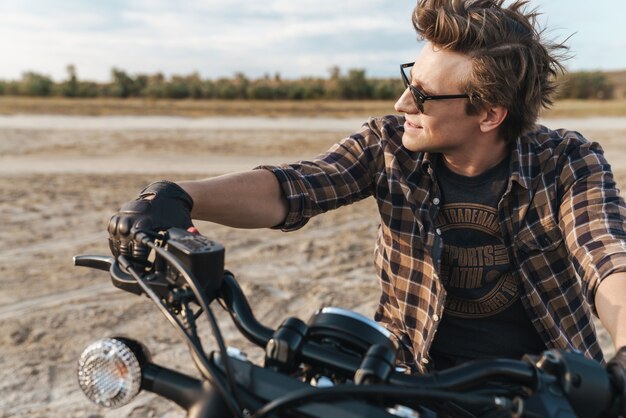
477 160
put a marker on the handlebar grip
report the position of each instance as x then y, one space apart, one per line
170 384
617 377
584 382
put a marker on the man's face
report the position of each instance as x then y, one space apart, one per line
444 126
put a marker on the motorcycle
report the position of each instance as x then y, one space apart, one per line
337 364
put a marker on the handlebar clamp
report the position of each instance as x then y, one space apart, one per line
283 348
376 366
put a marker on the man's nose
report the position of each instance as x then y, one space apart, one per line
405 103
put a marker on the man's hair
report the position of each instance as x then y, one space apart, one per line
512 66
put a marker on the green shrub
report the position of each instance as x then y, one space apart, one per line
69 88
87 89
34 84
177 88
155 87
122 84
586 85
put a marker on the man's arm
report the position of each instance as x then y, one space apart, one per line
592 215
288 195
250 199
610 303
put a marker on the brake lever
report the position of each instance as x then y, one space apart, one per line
120 279
98 262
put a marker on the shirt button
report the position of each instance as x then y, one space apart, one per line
436 201
435 317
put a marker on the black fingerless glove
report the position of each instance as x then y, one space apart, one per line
160 206
617 373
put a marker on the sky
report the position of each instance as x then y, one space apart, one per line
294 38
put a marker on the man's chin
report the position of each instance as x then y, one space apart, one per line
412 144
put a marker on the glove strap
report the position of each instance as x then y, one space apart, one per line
166 189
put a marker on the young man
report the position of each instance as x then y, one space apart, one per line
497 237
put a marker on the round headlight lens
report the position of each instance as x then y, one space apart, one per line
109 373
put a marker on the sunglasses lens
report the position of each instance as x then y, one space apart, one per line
418 100
406 80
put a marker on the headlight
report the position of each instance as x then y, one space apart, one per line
109 373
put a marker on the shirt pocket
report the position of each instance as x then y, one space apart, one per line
542 236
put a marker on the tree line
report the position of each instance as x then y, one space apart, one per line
351 85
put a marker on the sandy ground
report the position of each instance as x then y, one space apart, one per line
62 177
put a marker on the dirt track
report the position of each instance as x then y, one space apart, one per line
61 181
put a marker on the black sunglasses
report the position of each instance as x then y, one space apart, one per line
419 96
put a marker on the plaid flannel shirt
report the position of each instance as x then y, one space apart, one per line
561 217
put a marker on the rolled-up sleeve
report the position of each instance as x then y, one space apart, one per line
593 217
342 175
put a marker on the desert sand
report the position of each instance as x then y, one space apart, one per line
62 177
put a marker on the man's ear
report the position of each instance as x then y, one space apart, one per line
492 118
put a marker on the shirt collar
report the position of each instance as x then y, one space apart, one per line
520 164
520 172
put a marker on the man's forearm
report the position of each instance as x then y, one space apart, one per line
251 199
611 306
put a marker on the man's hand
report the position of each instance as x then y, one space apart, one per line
160 206
617 373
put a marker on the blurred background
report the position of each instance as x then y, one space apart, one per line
264 50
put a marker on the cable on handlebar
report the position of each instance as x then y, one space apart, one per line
334 393
200 297
204 365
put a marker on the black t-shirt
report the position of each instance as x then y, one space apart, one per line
484 316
